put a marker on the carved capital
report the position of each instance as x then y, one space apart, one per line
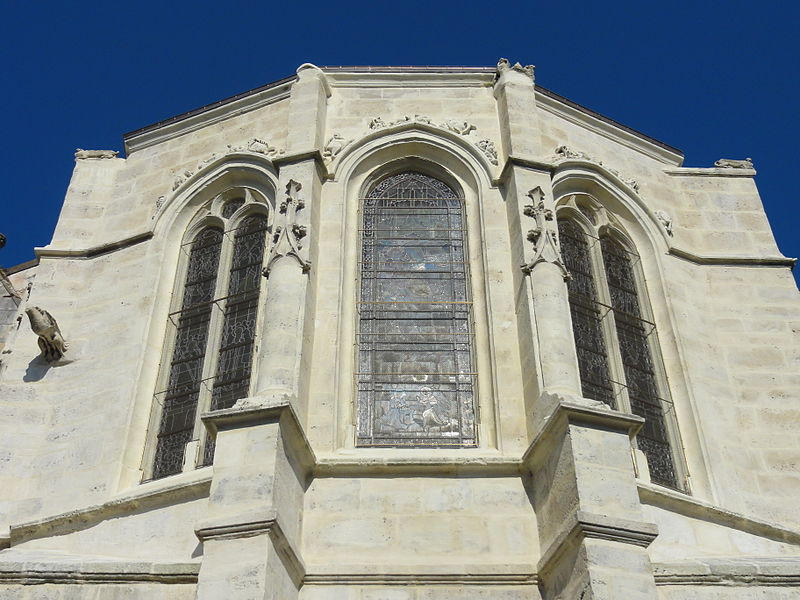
544 235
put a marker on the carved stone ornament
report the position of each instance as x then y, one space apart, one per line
459 127
730 163
51 342
286 236
504 65
487 147
335 145
565 153
665 220
82 154
544 234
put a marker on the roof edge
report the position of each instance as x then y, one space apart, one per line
667 152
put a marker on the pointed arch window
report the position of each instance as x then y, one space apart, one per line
415 374
615 342
212 333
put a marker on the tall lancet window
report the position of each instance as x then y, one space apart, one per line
415 377
211 333
615 342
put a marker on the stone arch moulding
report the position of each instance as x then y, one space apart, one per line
213 176
576 177
447 143
458 164
179 218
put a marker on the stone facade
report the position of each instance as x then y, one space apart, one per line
555 500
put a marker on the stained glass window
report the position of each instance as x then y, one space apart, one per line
636 387
415 374
186 367
637 361
211 325
586 314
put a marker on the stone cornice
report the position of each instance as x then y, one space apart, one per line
695 508
744 571
470 463
582 525
251 412
94 251
96 571
734 261
608 128
163 492
566 412
252 524
709 172
458 575
208 115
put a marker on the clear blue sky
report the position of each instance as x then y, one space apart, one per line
713 79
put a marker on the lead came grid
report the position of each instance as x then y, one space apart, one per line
415 377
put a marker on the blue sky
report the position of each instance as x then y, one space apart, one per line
713 79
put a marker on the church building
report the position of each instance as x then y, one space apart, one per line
401 333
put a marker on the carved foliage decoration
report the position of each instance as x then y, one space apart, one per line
51 342
543 235
566 153
456 126
255 146
288 233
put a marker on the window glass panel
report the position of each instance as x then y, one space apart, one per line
235 360
179 401
637 360
586 314
415 369
231 206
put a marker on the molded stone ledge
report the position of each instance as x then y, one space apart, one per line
94 251
154 494
584 525
465 463
755 571
250 412
569 412
727 261
265 522
40 567
709 172
688 506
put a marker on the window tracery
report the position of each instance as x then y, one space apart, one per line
613 339
213 331
415 374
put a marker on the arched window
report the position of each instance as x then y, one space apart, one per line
212 332
615 342
415 373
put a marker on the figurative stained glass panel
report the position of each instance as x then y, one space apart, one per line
235 359
637 360
415 374
179 400
586 314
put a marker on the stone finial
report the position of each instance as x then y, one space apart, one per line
51 342
730 163
504 66
81 154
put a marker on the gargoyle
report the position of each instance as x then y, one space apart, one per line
51 342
